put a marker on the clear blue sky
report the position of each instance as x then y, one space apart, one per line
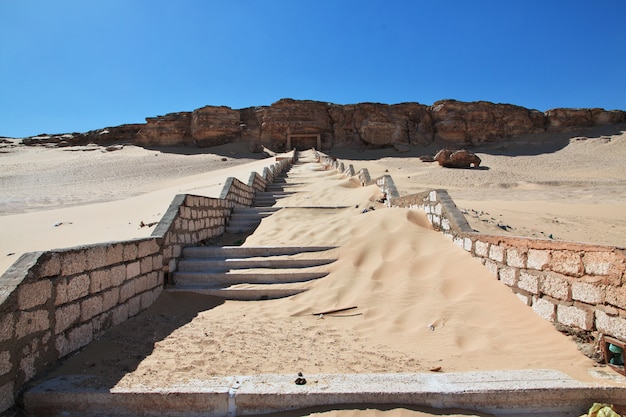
78 65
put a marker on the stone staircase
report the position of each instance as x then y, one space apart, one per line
250 273
247 219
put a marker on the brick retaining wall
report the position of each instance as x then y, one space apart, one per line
576 285
55 302
573 284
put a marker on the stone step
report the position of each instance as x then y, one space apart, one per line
250 292
249 251
260 200
255 276
273 194
249 273
220 264
240 228
280 185
264 203
241 217
244 220
257 210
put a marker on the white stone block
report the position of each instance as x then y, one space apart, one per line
574 316
544 308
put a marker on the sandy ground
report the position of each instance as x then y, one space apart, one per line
63 197
568 186
423 305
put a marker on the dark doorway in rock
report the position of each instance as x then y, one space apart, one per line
304 141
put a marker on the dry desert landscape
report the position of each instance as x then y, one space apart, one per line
423 304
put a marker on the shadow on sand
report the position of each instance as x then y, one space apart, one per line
523 145
121 349
235 150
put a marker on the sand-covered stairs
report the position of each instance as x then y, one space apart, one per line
250 273
246 219
255 273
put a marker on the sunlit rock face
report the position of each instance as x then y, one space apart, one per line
451 123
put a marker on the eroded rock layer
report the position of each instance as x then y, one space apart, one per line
450 122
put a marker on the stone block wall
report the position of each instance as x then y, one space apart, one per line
258 182
55 302
575 285
190 219
333 163
59 301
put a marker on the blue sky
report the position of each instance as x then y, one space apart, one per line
78 65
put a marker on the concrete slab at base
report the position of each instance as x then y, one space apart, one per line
78 396
502 393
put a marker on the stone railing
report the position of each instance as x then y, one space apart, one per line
55 302
385 182
574 285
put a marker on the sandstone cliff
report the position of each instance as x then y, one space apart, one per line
451 122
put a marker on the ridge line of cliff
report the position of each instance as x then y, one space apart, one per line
374 125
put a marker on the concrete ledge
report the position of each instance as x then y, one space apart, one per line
76 396
501 393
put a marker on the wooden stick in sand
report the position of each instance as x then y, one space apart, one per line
337 310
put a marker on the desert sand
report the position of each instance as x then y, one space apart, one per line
423 305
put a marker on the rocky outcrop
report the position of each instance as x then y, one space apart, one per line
564 119
478 122
173 129
449 158
449 122
380 125
107 136
212 126
206 126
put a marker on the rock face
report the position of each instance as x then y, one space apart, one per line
563 119
381 124
207 126
107 136
452 123
449 158
170 130
293 117
212 126
479 122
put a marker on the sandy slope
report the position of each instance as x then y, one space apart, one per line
82 197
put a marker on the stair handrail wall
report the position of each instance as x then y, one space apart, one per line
576 286
53 303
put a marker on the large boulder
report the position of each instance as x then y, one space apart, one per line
457 159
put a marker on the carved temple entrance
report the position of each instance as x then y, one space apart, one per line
304 141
